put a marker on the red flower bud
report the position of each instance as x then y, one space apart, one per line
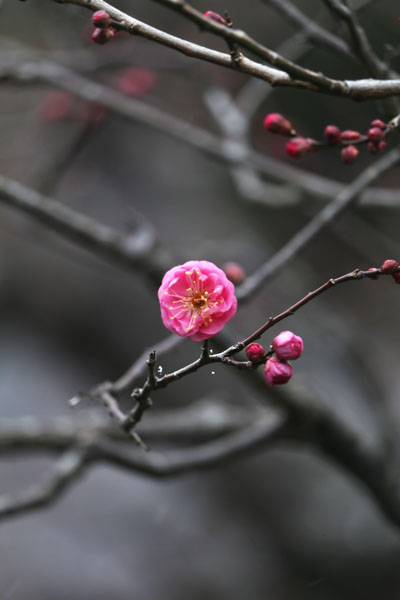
101 19
332 134
375 276
255 352
396 277
215 17
276 123
234 272
277 372
375 134
389 266
349 135
287 345
378 123
298 146
102 36
349 154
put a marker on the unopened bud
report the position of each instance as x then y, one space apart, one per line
349 135
298 146
276 123
332 134
102 36
389 266
209 14
277 372
375 134
255 352
234 272
101 19
287 345
378 123
349 154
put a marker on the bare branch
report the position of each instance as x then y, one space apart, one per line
321 220
64 473
138 251
287 73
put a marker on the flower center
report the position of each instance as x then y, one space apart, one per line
199 302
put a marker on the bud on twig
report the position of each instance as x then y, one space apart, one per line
276 123
209 14
255 352
349 154
101 19
389 266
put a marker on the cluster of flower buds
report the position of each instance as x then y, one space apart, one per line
348 139
103 31
277 370
388 267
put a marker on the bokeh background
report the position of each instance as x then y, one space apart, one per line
285 524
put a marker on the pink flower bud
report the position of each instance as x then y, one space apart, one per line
375 134
349 135
297 147
209 14
101 19
349 154
234 272
396 277
287 345
375 276
102 36
255 352
277 372
276 123
389 266
332 134
375 148
378 123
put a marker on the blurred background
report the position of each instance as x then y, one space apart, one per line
285 524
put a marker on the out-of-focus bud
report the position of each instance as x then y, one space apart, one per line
255 352
101 19
389 266
375 134
396 277
276 123
102 36
349 154
298 146
209 14
349 135
374 148
378 123
55 106
234 272
332 134
287 345
277 372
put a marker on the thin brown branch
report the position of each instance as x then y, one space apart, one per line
317 224
293 75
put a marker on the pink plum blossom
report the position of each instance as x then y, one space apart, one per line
287 345
196 300
277 372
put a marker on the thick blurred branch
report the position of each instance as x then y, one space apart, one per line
140 250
